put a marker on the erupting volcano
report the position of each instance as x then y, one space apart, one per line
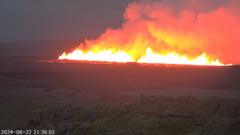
154 33
149 57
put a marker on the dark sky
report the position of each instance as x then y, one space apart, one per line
27 20
22 20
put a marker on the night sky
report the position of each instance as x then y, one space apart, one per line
33 20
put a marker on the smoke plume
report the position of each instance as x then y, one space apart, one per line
190 28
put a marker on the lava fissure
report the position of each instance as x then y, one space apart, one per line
155 34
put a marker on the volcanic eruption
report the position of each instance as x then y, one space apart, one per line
155 33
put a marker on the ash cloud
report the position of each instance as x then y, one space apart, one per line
188 27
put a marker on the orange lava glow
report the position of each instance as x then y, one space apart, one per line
104 56
157 34
148 57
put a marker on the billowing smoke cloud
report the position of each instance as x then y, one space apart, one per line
190 28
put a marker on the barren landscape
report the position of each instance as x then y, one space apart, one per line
127 67
99 98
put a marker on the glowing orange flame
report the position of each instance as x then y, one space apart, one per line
153 33
174 58
149 57
105 56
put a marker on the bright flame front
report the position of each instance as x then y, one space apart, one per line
149 56
153 34
103 56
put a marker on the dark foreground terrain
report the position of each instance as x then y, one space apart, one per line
116 99
146 116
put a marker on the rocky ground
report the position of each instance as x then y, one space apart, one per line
147 116
73 98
